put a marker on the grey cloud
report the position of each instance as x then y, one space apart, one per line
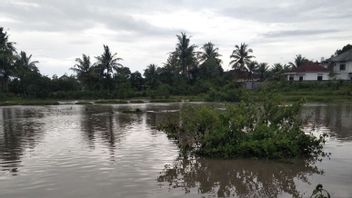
78 15
295 33
291 20
293 12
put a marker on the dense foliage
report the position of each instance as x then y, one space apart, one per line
263 130
188 71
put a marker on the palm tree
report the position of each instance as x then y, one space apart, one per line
252 68
151 76
172 63
7 58
262 69
84 69
299 61
278 70
210 52
24 64
210 61
186 54
107 63
83 65
241 57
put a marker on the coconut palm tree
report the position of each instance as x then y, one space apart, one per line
252 68
7 58
277 71
82 66
186 54
262 70
107 63
241 57
24 64
209 52
299 61
84 70
210 61
151 76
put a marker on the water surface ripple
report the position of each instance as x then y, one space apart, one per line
99 151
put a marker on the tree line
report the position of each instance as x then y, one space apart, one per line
188 70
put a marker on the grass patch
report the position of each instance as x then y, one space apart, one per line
111 102
165 100
28 102
316 98
136 101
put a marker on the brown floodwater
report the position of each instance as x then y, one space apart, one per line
98 151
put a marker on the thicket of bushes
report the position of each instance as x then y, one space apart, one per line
262 130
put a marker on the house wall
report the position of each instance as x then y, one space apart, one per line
251 85
309 76
343 75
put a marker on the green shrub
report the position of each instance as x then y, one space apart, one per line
136 101
165 100
229 93
261 130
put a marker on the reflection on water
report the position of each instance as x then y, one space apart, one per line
336 118
18 132
97 150
244 178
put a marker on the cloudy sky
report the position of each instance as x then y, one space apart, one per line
143 31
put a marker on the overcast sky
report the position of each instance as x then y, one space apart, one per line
143 31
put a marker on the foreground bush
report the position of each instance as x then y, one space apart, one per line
261 130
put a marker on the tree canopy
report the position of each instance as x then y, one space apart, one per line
188 70
241 57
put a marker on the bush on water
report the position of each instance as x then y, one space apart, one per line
269 129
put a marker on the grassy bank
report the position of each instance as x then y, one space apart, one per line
29 102
325 92
316 95
22 101
330 91
288 97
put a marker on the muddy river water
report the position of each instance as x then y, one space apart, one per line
90 151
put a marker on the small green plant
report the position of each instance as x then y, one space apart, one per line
269 129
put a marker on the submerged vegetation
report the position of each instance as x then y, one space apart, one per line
268 129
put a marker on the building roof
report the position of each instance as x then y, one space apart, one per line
310 68
346 56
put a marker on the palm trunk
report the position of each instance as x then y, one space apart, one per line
4 85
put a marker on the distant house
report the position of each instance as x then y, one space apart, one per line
309 72
342 66
245 78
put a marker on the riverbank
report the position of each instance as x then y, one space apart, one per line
316 96
289 97
29 102
324 96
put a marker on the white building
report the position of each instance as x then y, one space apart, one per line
342 66
309 72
